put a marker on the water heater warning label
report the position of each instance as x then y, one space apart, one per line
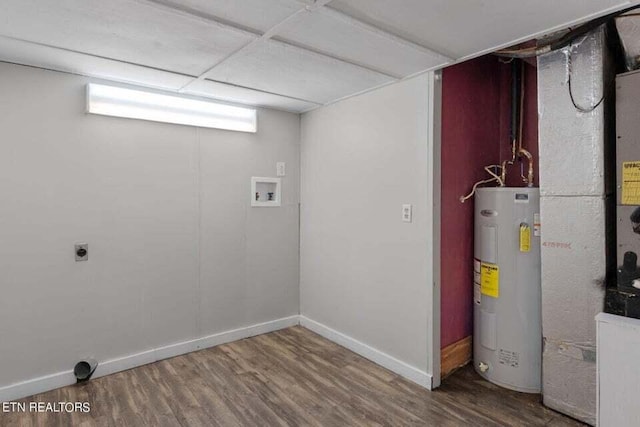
490 279
509 358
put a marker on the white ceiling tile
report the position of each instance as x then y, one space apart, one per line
257 15
338 35
131 31
276 67
340 50
26 53
21 52
246 96
461 28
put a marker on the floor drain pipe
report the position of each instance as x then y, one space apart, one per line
84 369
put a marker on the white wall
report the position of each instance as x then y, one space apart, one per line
618 373
364 273
175 250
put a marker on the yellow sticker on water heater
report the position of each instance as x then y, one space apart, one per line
490 279
525 237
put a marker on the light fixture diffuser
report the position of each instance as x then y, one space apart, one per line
138 104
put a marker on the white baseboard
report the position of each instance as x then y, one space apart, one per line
61 379
383 359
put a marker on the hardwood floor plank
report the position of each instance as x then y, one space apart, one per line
291 377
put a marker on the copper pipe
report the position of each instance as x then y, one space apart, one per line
519 151
503 173
528 155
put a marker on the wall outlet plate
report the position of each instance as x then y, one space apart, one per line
280 169
81 251
407 213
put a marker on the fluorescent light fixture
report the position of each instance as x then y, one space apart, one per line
138 104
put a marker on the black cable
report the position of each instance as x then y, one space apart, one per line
588 27
570 72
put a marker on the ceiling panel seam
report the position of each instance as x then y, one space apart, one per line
261 91
271 33
371 89
265 36
337 58
350 20
119 61
93 55
383 33
187 12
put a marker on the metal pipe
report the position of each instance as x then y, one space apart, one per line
529 157
564 40
521 150
521 105
516 134
513 124
515 100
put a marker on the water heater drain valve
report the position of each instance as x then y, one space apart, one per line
483 367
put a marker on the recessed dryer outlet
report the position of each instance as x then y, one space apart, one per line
265 192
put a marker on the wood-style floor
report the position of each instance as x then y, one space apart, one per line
290 377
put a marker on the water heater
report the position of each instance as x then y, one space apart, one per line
507 332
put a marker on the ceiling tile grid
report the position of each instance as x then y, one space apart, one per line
125 30
253 15
340 36
460 28
27 53
259 98
287 54
281 68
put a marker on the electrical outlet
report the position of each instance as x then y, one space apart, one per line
406 213
82 252
280 169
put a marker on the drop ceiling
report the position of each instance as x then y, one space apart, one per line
292 55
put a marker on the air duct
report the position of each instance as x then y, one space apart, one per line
628 27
